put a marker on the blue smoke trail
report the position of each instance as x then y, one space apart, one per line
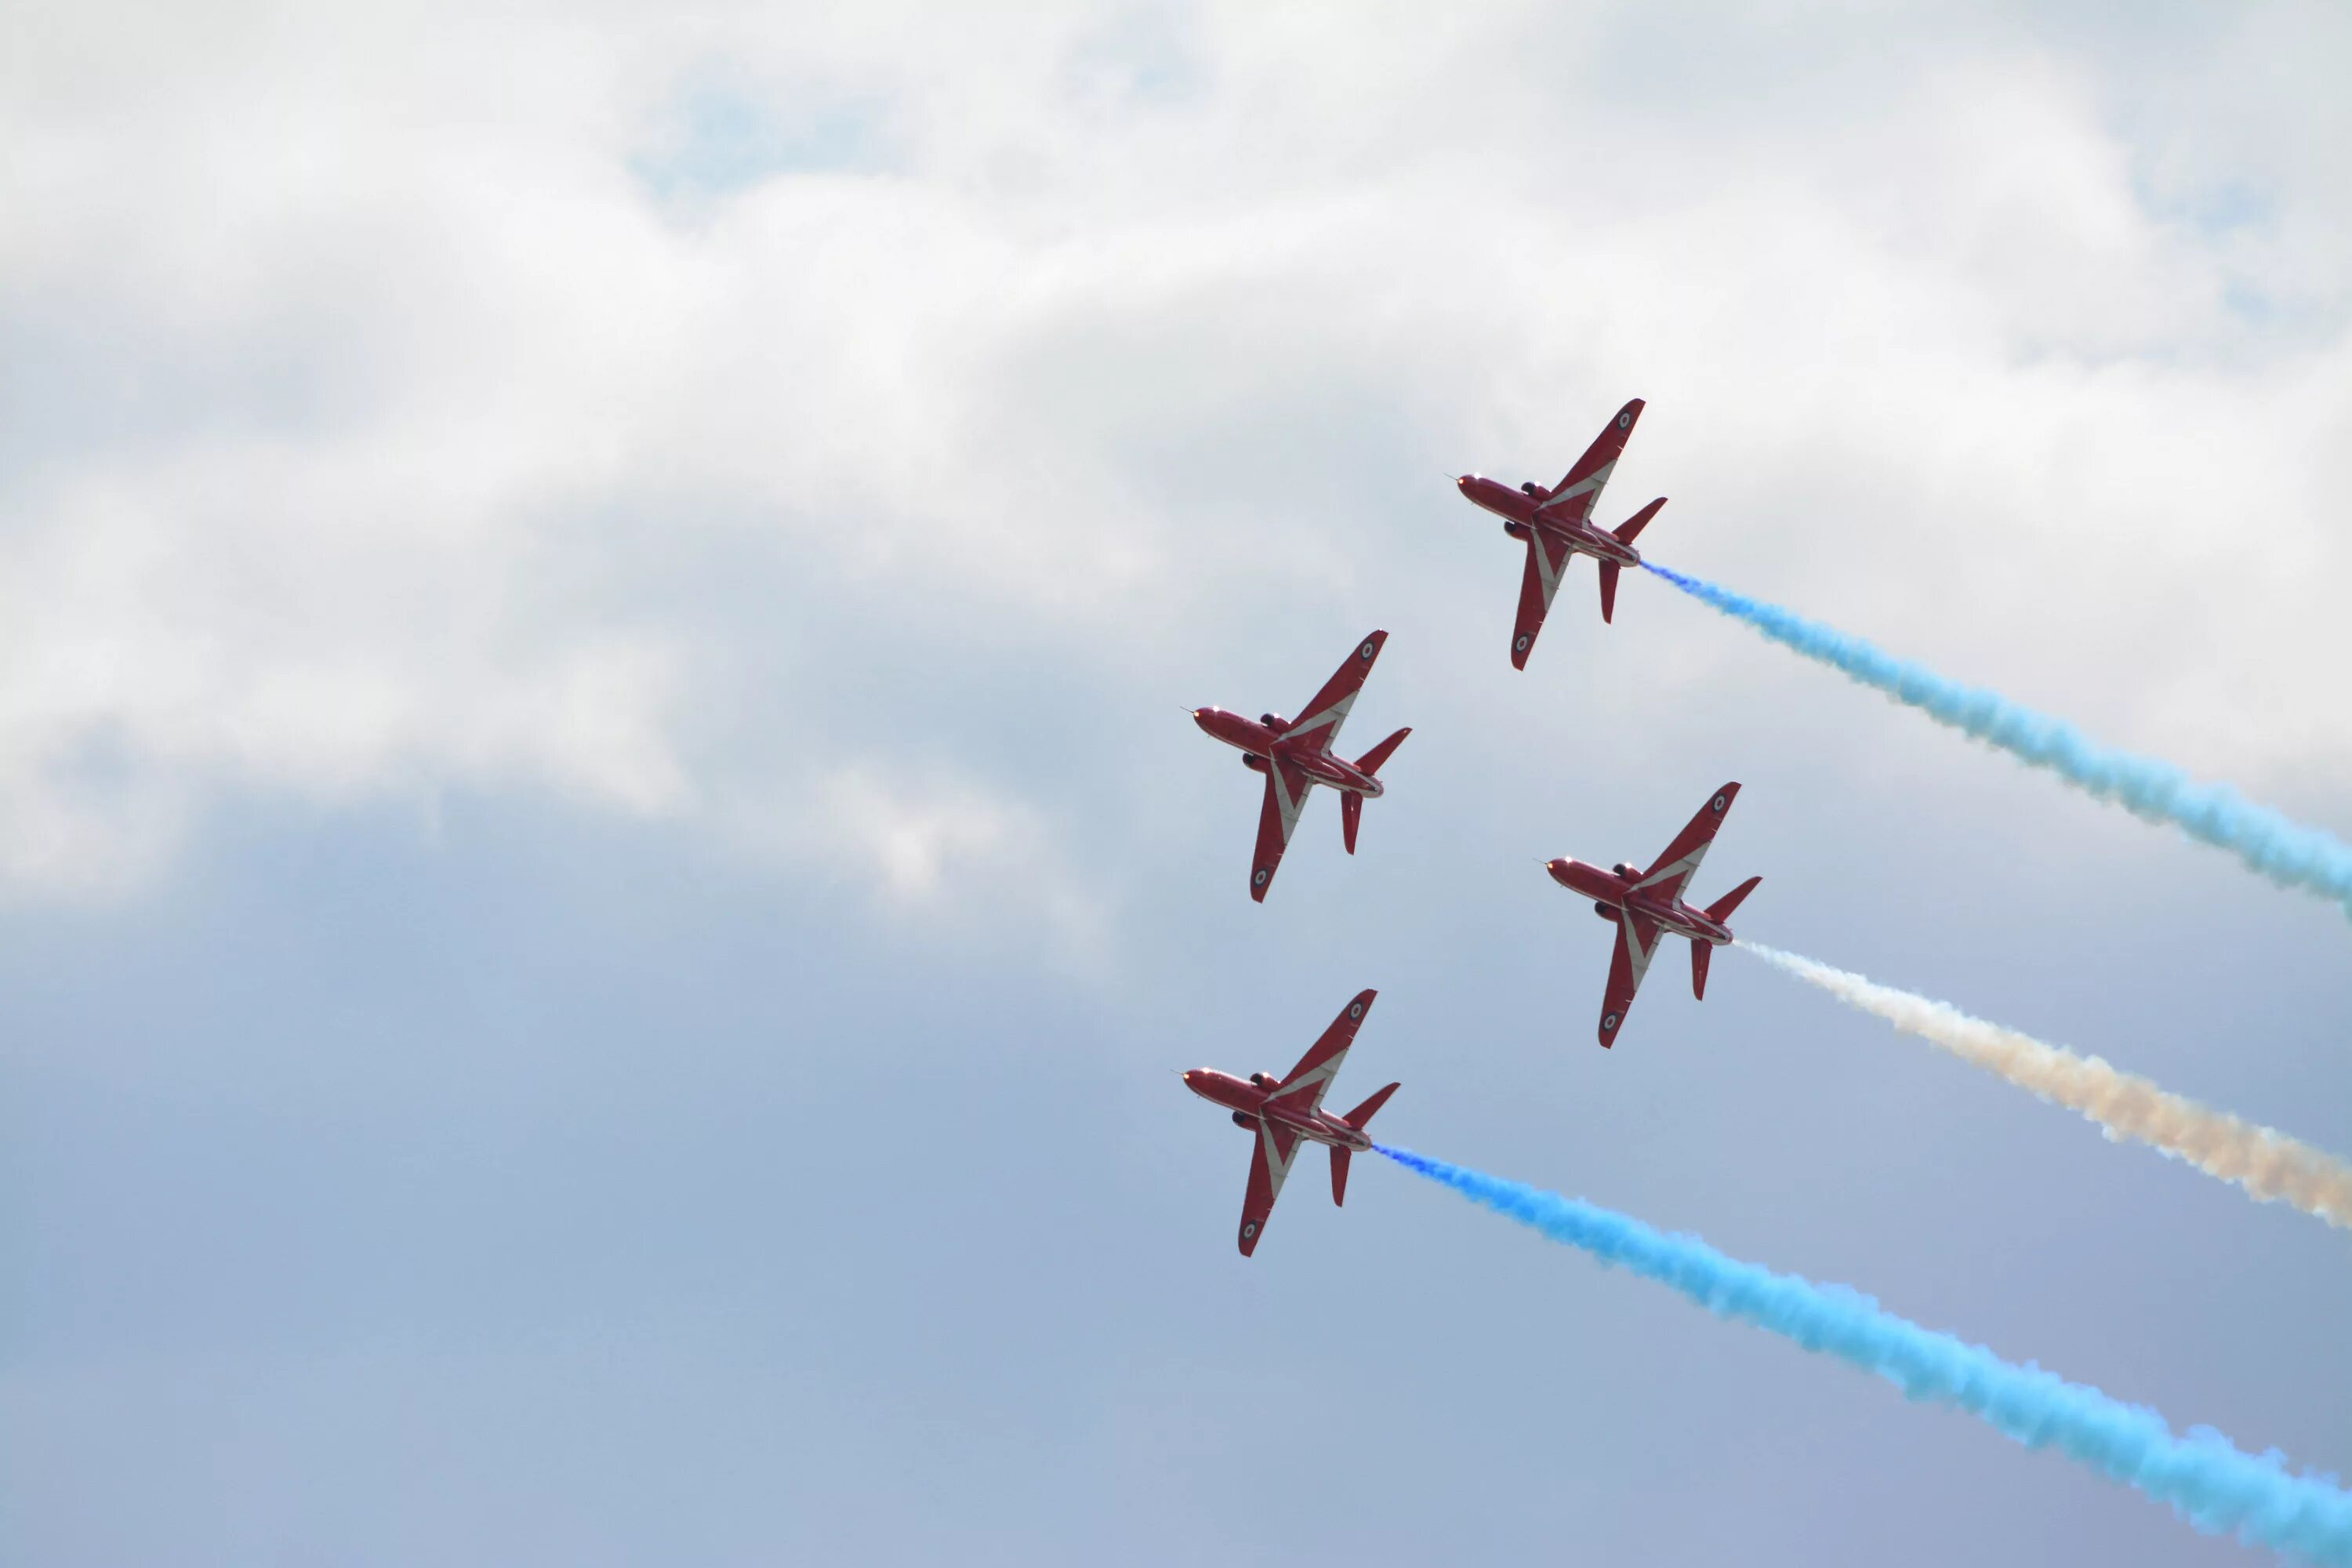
2204 1477
2287 852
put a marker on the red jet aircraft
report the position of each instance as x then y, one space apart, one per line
1557 524
1287 1114
1648 904
1296 754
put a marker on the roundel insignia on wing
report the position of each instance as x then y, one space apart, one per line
1716 804
1257 878
1624 421
1610 1022
1249 1230
1522 644
1355 1009
1367 650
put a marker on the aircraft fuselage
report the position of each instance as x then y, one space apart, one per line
1523 514
1250 1100
1260 743
1610 892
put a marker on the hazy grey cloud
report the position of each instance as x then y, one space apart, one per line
339 346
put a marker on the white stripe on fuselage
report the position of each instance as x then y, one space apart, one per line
1686 868
1323 768
1314 1126
1545 572
1277 1165
1329 720
1677 919
1286 804
1588 486
1628 920
1317 1078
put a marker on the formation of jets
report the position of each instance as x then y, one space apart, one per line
1296 754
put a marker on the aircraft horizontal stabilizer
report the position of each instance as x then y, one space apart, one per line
1371 761
1363 1113
1721 908
1631 527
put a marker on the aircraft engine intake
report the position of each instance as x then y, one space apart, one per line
1273 722
1244 1118
1604 911
1531 487
1252 761
1516 528
1626 872
1264 1079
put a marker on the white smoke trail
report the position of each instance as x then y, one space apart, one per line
2266 1163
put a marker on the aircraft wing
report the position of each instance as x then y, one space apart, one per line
1270 1162
1286 792
1576 495
1637 942
1319 720
1302 1090
1548 561
1673 870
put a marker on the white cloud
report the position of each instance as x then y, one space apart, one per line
941 850
343 348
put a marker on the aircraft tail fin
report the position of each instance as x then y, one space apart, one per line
1629 530
1338 1175
1364 1112
1721 908
1608 590
1372 761
1351 804
1699 950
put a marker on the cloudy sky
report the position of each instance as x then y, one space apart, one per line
601 873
